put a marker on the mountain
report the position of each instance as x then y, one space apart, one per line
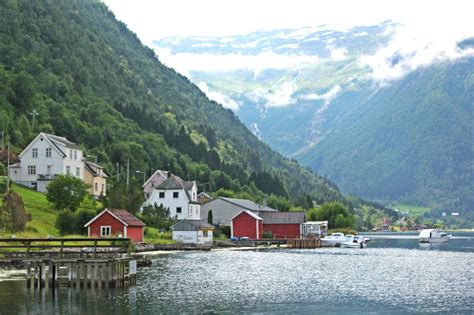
70 68
382 120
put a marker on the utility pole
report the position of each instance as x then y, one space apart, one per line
118 172
33 113
128 171
8 168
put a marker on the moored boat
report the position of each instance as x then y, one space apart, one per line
433 236
335 239
354 241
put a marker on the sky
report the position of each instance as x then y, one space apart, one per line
153 20
427 33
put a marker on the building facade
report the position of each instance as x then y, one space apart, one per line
224 209
246 224
116 223
96 178
197 232
44 158
179 196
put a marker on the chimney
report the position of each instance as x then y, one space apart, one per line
169 175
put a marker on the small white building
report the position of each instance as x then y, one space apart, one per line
179 196
44 158
312 228
197 232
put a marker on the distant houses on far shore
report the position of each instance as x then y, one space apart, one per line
48 156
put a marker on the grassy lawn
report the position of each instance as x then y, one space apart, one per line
411 209
154 236
42 214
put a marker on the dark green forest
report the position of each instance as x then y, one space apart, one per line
90 79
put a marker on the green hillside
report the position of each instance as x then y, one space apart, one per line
91 80
410 142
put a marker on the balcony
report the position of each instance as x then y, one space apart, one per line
46 176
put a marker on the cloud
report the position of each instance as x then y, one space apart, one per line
326 97
220 98
338 54
281 96
411 50
187 62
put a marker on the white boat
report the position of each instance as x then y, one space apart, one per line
334 239
433 236
354 241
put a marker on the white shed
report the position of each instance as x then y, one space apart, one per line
197 232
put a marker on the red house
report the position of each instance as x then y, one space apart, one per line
246 224
281 224
115 222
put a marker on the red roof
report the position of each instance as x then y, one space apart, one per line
124 216
127 217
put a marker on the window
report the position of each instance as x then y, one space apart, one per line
204 233
176 194
96 187
48 152
68 170
70 154
194 196
103 187
31 169
105 230
162 194
75 155
78 172
178 210
35 153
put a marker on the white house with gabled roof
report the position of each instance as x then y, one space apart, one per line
44 158
179 196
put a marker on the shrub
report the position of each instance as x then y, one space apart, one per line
13 216
224 229
65 222
3 187
66 192
267 234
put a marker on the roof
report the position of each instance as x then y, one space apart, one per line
282 217
62 140
253 215
91 167
176 182
317 222
196 224
247 204
123 216
160 173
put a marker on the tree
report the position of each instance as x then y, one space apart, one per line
125 197
157 216
210 218
335 213
13 216
66 192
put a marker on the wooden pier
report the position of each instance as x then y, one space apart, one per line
304 243
72 262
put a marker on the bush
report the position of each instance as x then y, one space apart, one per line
66 192
2 170
65 222
224 229
3 187
267 234
13 216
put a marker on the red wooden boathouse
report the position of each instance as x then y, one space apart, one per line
114 222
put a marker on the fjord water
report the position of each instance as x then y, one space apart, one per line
394 275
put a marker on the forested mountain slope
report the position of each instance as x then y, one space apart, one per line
91 80
380 118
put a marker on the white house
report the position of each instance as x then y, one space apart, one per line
179 196
156 179
193 232
45 157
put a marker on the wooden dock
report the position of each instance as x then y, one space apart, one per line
304 243
72 262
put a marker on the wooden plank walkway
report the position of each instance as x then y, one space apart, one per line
72 262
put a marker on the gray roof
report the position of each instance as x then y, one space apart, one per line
62 140
282 217
176 182
191 225
247 204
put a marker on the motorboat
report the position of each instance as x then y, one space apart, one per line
354 241
433 236
335 239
